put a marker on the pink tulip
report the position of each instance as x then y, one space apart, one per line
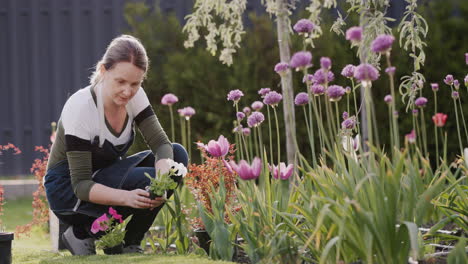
246 171
218 148
282 172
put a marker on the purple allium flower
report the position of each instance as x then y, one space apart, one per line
382 43
187 112
466 81
235 95
308 78
169 99
348 123
325 63
304 26
348 89
246 110
282 172
317 89
246 171
240 116
264 91
237 129
281 68
435 87
466 58
257 105
348 71
421 102
301 60
388 99
301 99
335 92
411 137
415 112
354 34
448 79
319 77
246 131
390 70
345 115
218 148
255 119
456 84
272 98
366 72
455 95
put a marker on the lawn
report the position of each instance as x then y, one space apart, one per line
36 248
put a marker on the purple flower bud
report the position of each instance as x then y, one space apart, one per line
335 92
466 81
388 99
237 129
255 119
325 63
308 78
317 89
411 137
272 98
246 110
345 115
382 43
301 99
301 60
235 95
354 34
281 68
319 77
187 112
304 26
420 84
456 84
395 113
246 131
435 87
264 91
349 123
390 70
466 58
348 89
257 105
415 112
455 95
366 72
169 99
421 102
240 116
448 79
348 71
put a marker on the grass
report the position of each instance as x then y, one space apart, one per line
37 247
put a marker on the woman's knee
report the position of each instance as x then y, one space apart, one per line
180 154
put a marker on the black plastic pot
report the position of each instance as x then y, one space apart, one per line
114 250
204 239
5 247
152 196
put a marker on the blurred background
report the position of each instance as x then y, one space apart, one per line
48 49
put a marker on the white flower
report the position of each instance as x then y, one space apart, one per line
465 156
351 144
179 169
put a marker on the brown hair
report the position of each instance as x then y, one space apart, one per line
124 48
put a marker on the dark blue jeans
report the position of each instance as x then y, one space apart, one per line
122 175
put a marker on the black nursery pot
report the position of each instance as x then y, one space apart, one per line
5 247
204 239
114 250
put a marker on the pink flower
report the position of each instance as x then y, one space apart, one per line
257 105
282 172
169 99
411 137
246 171
218 148
100 224
354 34
115 215
439 119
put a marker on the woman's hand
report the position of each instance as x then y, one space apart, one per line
139 198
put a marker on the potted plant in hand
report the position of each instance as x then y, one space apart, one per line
166 181
114 232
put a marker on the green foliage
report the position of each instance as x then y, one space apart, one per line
114 234
161 183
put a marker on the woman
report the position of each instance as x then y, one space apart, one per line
87 171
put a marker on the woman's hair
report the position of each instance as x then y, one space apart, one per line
124 48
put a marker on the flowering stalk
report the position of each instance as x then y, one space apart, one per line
240 135
424 137
172 123
309 123
395 134
277 135
183 131
355 107
458 126
463 118
189 142
269 134
435 128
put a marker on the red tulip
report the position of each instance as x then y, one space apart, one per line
439 119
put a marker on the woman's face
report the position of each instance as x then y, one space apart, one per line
121 83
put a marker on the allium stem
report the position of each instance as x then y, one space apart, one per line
257 151
189 143
237 136
310 133
277 136
172 123
392 91
337 115
418 134
240 133
356 109
458 127
245 145
463 118
424 135
435 131
390 116
347 103
183 131
269 134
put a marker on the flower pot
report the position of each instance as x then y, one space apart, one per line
204 239
5 247
114 250
153 196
